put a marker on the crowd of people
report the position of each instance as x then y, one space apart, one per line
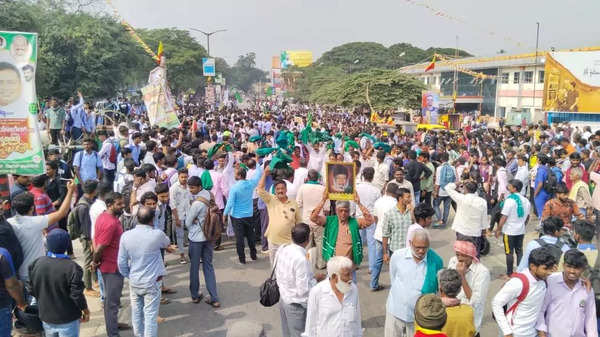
135 192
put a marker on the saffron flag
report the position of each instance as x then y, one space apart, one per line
431 65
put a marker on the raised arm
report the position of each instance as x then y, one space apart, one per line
315 216
64 207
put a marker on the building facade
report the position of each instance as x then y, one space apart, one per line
515 84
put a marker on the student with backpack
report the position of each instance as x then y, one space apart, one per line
561 206
79 224
108 154
518 303
551 233
197 221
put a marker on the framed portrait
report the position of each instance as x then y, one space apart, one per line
341 180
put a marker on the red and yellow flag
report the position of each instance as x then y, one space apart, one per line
431 65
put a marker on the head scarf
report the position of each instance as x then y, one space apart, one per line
467 248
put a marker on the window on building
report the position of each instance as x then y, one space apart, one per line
541 75
505 78
516 77
528 77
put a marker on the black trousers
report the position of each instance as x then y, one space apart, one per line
55 135
512 244
256 220
244 229
113 288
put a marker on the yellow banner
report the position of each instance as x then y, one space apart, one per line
572 81
300 58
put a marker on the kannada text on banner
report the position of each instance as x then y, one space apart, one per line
20 145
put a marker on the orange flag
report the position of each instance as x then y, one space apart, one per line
431 65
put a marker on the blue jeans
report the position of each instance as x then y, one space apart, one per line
100 285
202 251
436 206
70 329
417 197
377 263
144 309
5 322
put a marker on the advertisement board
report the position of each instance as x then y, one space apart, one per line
208 66
21 149
430 105
298 58
572 81
158 100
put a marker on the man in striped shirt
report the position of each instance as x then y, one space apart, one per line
43 203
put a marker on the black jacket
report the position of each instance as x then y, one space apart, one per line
413 172
57 285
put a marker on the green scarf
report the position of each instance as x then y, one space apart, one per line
330 238
517 199
434 264
206 180
312 182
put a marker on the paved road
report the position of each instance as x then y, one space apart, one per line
238 291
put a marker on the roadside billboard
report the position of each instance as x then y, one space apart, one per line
572 81
20 144
430 105
298 58
208 66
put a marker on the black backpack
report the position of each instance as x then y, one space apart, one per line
73 224
551 182
555 248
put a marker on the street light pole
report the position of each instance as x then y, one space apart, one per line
208 34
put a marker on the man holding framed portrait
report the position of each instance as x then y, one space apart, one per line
340 180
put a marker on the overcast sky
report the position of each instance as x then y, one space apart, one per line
270 26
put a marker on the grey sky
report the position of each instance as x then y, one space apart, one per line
269 26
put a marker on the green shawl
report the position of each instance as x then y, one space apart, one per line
206 180
434 264
330 239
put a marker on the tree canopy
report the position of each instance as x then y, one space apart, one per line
95 54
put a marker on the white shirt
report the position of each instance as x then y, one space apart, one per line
438 173
368 194
300 175
104 155
294 274
96 209
316 159
382 174
471 212
478 279
523 176
515 225
327 317
382 206
520 322
28 230
308 197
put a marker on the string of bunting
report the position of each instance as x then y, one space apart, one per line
438 12
465 70
133 33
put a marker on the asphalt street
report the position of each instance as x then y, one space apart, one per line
238 288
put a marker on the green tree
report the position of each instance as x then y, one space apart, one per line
244 73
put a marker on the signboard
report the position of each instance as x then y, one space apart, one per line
298 58
430 105
158 100
572 81
209 95
208 66
275 62
20 144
